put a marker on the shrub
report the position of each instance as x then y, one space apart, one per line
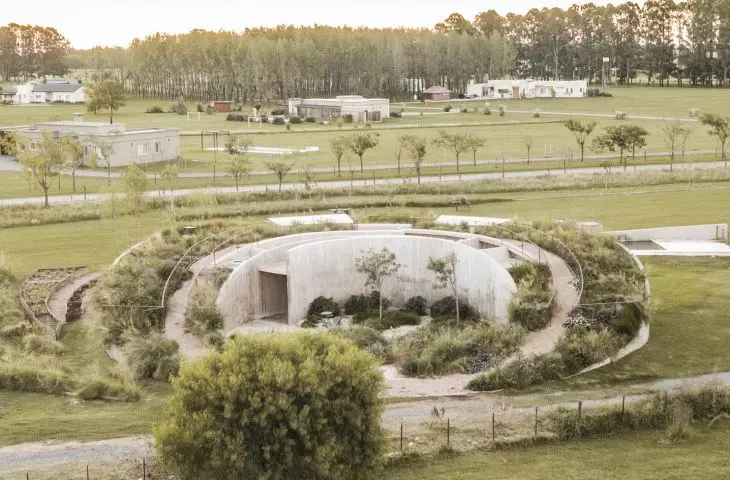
416 305
580 347
295 120
200 108
310 120
264 119
502 113
362 306
393 319
532 307
520 373
446 307
447 108
152 356
395 115
464 110
155 109
323 304
324 424
347 118
236 117
536 113
209 110
215 340
179 107
278 121
109 387
367 339
15 331
279 112
487 111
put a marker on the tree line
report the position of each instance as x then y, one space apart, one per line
28 51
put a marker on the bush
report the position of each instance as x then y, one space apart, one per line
40 344
362 306
200 108
367 339
520 373
395 115
155 109
215 340
236 117
502 113
180 108
533 305
295 120
324 424
278 121
15 331
393 319
447 108
152 356
580 347
323 304
279 112
310 120
347 118
464 110
487 111
416 305
446 307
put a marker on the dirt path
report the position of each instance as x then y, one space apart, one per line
190 345
58 302
476 409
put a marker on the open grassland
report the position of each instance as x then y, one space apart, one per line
629 456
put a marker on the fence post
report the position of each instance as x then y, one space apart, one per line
144 467
535 422
492 428
87 472
448 431
665 401
623 405
401 438
580 409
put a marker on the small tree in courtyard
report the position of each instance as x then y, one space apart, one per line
75 151
675 135
42 164
377 266
445 270
581 131
416 147
280 169
719 127
169 177
296 405
106 94
361 143
475 142
528 140
621 137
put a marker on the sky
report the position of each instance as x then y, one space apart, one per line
88 23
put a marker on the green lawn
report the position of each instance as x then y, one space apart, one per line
630 456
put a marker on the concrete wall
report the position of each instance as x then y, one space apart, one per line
691 232
328 268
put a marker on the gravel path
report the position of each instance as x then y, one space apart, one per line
191 346
58 302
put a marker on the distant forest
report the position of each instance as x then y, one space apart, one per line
661 40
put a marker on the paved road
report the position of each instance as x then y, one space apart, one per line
62 199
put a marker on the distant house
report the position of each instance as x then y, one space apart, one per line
7 95
362 109
138 145
222 106
436 93
505 89
53 90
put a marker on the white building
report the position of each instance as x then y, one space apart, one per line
53 90
137 145
500 89
362 109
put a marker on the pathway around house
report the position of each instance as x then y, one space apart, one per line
58 301
470 410
191 346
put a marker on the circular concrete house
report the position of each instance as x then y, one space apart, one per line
278 278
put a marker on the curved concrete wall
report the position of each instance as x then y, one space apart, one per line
328 268
239 299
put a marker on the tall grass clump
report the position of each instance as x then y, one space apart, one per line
202 316
533 305
152 356
96 385
366 338
442 349
30 373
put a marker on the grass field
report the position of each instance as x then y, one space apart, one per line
630 456
505 135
